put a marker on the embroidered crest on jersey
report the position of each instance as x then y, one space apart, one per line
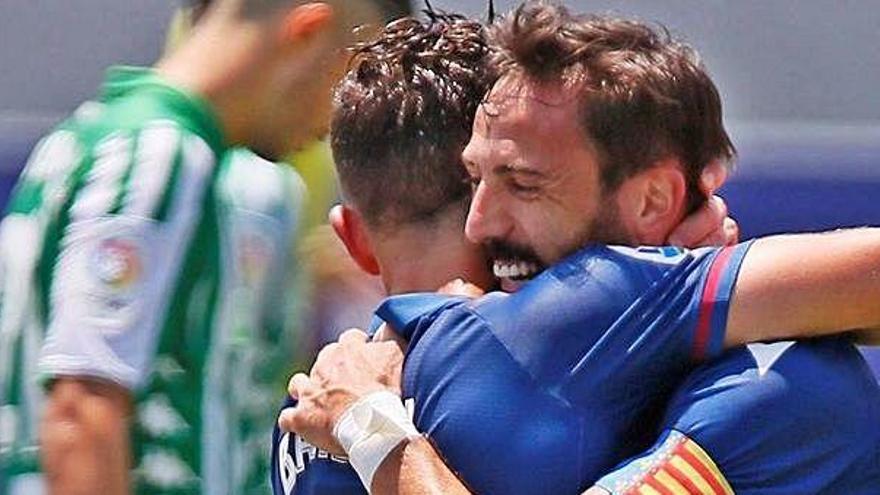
116 265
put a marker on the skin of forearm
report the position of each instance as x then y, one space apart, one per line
84 436
807 285
415 468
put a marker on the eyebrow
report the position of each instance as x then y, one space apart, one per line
510 169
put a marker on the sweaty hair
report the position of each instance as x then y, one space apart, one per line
643 96
403 115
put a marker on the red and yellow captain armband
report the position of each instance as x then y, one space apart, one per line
677 465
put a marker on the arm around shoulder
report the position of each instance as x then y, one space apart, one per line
807 285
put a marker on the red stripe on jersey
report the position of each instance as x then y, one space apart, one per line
651 481
707 302
682 478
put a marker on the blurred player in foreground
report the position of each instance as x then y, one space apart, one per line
544 390
132 241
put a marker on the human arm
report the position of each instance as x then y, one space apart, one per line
416 468
84 437
345 373
711 224
807 285
112 274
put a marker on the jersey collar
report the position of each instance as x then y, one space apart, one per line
194 110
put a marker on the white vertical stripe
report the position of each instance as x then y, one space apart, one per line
112 157
21 241
176 235
197 163
156 150
53 157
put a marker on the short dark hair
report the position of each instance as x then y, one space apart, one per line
644 96
198 9
403 114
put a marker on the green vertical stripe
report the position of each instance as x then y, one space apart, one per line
164 205
28 197
125 181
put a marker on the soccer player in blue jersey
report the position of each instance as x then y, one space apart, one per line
544 390
418 245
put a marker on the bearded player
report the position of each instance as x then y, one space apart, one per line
463 355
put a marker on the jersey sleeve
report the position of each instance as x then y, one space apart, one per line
697 292
674 465
798 417
604 315
408 313
118 250
613 315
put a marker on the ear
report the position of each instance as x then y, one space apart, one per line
305 21
652 203
351 230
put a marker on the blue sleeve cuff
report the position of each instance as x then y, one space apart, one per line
405 311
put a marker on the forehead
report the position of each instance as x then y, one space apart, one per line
530 113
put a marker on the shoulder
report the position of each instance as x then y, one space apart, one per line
252 183
765 407
773 377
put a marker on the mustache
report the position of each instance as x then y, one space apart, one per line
497 249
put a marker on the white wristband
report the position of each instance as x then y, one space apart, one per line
370 429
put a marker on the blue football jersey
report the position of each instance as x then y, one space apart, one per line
546 389
770 418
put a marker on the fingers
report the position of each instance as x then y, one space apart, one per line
288 419
298 385
460 287
392 336
713 177
696 228
353 336
386 333
727 235
731 232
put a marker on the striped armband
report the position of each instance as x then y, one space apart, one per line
677 466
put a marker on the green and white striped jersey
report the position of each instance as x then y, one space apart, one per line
137 250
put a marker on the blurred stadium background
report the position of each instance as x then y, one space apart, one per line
798 79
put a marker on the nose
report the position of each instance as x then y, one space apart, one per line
486 217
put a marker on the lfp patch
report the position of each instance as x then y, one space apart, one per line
117 263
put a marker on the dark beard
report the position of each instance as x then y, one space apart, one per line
606 229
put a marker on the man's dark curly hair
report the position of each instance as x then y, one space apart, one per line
403 114
644 96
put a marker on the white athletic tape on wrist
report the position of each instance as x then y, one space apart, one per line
370 429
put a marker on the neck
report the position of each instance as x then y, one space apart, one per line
221 62
422 259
